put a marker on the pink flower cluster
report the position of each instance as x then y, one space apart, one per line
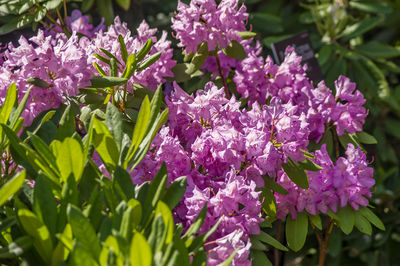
347 181
66 64
62 64
205 21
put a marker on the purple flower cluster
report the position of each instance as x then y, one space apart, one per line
205 21
65 64
62 64
225 151
347 181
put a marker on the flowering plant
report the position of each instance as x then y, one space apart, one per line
257 143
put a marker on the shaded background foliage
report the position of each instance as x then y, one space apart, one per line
359 39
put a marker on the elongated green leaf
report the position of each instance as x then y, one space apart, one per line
124 51
105 145
266 238
372 7
61 252
246 35
144 50
198 59
296 231
316 220
125 4
309 165
104 82
235 50
361 27
346 219
67 124
44 152
149 61
296 173
175 192
229 260
140 251
166 214
130 66
362 223
258 258
44 204
269 202
140 128
110 55
83 231
196 225
21 106
70 159
270 183
9 102
378 49
114 123
124 181
12 186
39 232
367 213
366 138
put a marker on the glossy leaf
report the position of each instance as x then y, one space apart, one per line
235 50
12 186
140 251
296 173
346 219
296 231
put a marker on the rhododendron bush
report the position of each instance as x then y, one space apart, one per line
110 156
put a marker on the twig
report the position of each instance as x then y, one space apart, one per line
227 94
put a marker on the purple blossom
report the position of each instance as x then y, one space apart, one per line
205 21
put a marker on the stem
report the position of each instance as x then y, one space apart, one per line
53 21
227 94
336 142
65 12
278 237
324 244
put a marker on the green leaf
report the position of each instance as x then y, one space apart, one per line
346 219
324 54
67 124
125 4
166 214
198 59
260 20
105 145
104 82
86 5
70 159
366 138
44 152
52 4
40 83
12 186
40 13
378 49
111 56
175 192
8 104
106 10
83 231
124 51
371 7
114 123
296 173
61 252
149 61
367 213
39 232
316 220
296 231
246 35
360 27
44 204
140 251
123 179
269 202
362 223
130 66
157 188
266 238
144 50
196 225
270 183
235 50
229 260
21 106
309 165
258 258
